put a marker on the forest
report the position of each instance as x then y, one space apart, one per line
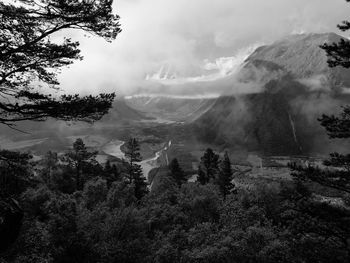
69 207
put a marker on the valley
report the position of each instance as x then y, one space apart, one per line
277 119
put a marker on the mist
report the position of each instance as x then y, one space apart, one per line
191 41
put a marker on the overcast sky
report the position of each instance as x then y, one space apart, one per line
189 38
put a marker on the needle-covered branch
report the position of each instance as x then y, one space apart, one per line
31 53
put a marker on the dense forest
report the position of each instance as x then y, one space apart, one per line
75 210
68 207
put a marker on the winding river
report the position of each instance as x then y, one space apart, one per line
114 148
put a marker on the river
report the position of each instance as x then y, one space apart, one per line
114 148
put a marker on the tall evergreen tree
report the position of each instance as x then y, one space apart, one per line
135 174
224 178
176 172
50 164
15 173
139 181
133 155
337 127
111 172
210 165
339 53
202 178
337 176
28 55
79 158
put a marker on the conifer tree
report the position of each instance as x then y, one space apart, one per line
202 178
337 127
133 155
29 57
224 179
50 164
111 172
79 159
176 172
135 174
209 165
339 53
139 181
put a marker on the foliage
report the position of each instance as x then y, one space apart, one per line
28 55
108 222
176 172
225 176
210 166
80 160
15 173
135 174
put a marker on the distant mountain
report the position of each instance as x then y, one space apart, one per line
121 111
171 108
302 57
269 106
296 87
52 134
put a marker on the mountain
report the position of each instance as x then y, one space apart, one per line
55 135
177 109
121 111
301 56
295 87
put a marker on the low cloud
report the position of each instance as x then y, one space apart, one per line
212 70
195 39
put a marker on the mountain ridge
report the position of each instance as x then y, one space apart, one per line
276 120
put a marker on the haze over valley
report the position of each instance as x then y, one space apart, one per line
201 131
266 106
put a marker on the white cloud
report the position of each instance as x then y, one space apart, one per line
181 34
220 68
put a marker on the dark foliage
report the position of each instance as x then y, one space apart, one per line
176 172
135 174
210 166
110 219
81 161
29 58
11 216
225 176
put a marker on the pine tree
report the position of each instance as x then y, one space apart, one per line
28 54
50 164
337 127
335 218
176 172
224 179
135 174
133 155
108 166
202 178
210 164
79 159
139 181
111 172
339 53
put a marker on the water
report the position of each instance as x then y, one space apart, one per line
114 148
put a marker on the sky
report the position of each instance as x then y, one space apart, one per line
170 42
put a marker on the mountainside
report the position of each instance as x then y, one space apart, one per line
122 111
53 134
270 106
171 108
302 57
296 87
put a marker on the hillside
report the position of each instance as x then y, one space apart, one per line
295 90
170 108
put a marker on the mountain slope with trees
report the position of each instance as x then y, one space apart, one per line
279 119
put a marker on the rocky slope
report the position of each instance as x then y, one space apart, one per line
296 87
